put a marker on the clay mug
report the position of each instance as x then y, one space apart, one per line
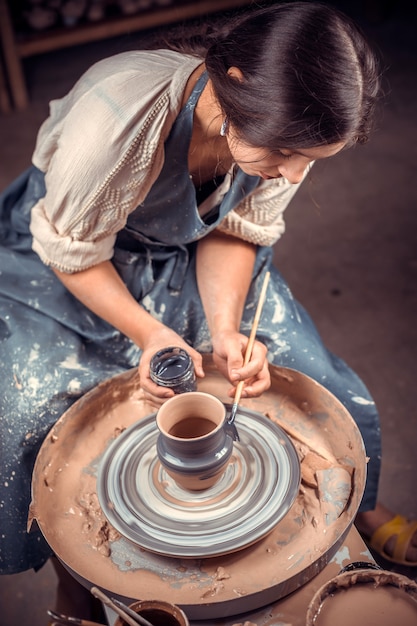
194 444
158 613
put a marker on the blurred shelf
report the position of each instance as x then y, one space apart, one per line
18 45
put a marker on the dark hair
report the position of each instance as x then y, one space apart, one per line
309 77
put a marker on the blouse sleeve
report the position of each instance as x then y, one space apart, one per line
259 217
101 149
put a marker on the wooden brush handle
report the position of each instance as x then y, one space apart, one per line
252 336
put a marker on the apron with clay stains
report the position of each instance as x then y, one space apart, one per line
53 350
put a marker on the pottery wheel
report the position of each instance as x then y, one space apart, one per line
66 506
145 505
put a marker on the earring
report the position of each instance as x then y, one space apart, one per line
224 127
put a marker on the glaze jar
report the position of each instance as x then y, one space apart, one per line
173 367
194 444
158 613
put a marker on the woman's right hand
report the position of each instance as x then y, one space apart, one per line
229 354
164 337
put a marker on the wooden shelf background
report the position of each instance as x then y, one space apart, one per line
16 45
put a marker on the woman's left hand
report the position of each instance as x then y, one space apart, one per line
228 355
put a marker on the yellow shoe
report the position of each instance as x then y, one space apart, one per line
400 528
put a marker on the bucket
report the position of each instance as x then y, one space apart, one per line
364 597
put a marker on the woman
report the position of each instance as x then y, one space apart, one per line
157 190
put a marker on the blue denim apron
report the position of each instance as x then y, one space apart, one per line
53 350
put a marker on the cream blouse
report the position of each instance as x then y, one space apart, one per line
101 150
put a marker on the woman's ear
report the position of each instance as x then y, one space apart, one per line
236 73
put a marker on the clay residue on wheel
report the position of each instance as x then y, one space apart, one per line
65 506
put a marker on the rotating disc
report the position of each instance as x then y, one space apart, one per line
146 506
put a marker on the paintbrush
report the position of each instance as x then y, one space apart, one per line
248 352
131 621
66 619
132 613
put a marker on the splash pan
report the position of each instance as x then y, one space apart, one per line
146 506
77 460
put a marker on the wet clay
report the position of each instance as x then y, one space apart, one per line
246 488
364 597
65 504
367 605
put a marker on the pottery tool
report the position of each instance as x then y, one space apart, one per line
66 619
131 612
248 352
131 620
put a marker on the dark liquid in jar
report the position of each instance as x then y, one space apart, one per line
192 427
159 618
172 367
